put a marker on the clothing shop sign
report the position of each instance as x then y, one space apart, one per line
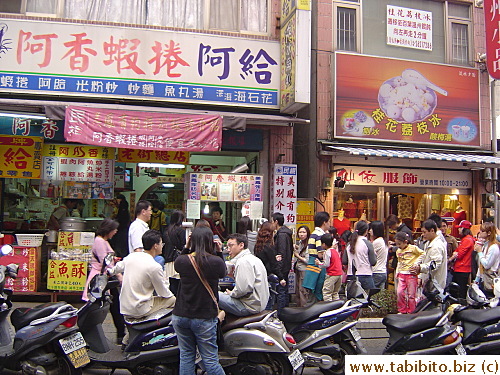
143 130
224 187
396 100
404 177
57 58
284 193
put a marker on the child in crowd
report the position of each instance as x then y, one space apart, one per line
408 255
331 261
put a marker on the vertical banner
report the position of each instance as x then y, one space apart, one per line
492 25
285 191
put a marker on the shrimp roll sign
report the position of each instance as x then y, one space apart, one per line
406 101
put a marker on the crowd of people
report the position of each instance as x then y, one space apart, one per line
160 269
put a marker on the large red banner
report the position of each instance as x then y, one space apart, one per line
143 130
406 101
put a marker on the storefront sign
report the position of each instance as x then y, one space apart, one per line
285 191
295 40
224 187
249 140
305 213
411 28
78 163
21 157
137 63
82 241
397 100
47 129
129 155
492 25
66 275
404 177
27 258
143 130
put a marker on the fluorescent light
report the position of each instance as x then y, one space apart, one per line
206 210
453 198
168 185
158 165
23 115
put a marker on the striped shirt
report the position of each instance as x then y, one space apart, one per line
314 243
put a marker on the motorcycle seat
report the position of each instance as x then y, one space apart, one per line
23 316
479 316
233 321
150 325
300 314
407 323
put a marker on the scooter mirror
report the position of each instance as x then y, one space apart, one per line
6 250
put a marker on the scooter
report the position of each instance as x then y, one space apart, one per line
427 331
46 340
257 344
326 331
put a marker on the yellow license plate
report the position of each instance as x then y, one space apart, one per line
79 357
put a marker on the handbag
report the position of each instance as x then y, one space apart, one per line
220 336
489 279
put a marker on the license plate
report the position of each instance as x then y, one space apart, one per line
460 350
296 359
74 347
355 334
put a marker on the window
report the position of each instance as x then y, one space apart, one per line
459 34
347 25
249 16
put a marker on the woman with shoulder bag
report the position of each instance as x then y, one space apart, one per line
301 253
195 315
488 254
175 242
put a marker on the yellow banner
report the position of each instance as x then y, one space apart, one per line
78 151
128 155
68 240
304 4
21 157
66 275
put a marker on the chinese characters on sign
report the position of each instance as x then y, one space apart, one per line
78 163
66 275
406 101
404 177
21 157
285 191
143 130
224 187
492 23
411 28
101 61
27 258
47 129
129 155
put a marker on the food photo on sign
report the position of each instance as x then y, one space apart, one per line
399 100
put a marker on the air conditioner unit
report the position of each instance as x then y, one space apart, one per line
487 200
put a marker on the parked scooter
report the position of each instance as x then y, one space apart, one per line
326 331
425 332
46 340
257 344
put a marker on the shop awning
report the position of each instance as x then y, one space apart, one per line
402 154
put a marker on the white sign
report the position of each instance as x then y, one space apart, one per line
285 191
404 177
77 169
193 208
125 62
411 28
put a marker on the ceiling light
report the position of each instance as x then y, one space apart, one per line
168 185
206 210
36 116
158 165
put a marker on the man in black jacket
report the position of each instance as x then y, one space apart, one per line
284 252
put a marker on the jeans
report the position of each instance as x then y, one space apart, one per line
366 281
233 305
283 297
201 333
379 280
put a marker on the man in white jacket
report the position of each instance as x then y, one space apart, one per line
251 290
435 250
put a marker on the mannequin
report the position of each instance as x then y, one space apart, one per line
341 223
350 208
349 200
459 215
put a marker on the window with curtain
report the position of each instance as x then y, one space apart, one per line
459 35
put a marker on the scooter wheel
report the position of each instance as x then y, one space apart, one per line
339 369
64 367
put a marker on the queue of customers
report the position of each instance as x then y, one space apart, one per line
161 270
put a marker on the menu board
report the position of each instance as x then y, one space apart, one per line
224 187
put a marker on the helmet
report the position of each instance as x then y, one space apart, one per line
475 296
